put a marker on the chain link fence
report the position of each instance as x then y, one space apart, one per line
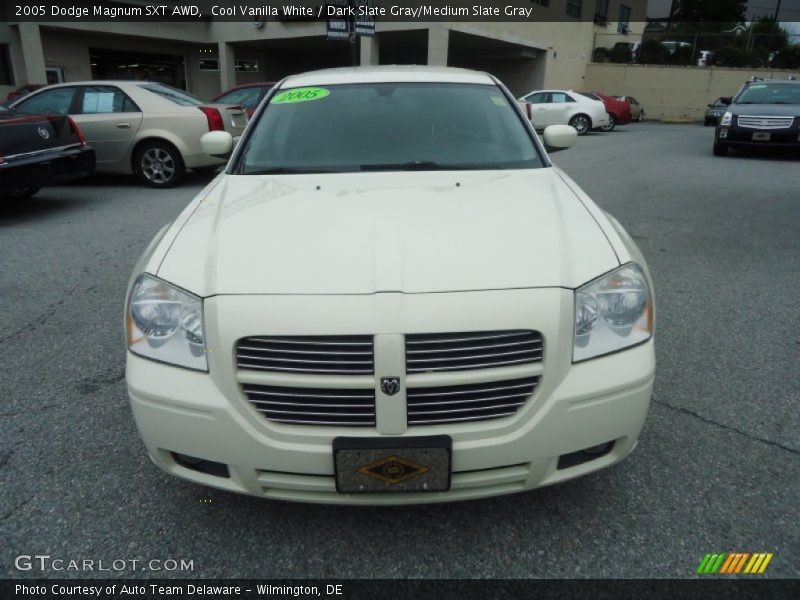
739 48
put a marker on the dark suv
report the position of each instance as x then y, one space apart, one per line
762 113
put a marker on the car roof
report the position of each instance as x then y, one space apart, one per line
387 74
771 81
104 82
249 85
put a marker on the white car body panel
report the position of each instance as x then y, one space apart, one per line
382 232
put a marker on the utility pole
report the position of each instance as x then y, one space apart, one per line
777 10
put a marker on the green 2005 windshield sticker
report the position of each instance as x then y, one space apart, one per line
300 95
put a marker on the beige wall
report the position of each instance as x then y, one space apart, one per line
10 36
672 92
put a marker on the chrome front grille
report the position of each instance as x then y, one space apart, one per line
331 355
313 406
473 402
766 122
460 351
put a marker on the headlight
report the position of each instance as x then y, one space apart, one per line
727 118
165 323
612 313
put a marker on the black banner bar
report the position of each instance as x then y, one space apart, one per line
708 588
364 11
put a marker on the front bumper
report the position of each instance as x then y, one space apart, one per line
205 415
737 136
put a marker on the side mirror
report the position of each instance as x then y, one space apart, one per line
710 106
559 137
217 143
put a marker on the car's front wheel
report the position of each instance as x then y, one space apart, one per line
158 164
720 149
612 122
641 117
581 123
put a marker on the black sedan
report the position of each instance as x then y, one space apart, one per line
716 110
763 113
39 150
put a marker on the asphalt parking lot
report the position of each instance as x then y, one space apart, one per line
716 468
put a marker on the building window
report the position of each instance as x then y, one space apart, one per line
6 72
545 3
574 8
624 19
209 64
246 66
601 11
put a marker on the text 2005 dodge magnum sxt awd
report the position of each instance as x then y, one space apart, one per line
390 296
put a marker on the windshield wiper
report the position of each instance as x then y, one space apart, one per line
286 170
414 165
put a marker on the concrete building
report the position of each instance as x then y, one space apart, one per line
205 57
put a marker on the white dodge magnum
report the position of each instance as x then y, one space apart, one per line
390 296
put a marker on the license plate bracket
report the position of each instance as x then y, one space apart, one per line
392 465
761 136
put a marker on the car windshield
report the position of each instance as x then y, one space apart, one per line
174 94
765 93
388 127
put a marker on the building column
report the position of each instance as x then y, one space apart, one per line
370 50
438 42
32 53
227 70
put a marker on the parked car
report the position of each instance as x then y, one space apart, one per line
248 95
619 112
762 114
383 300
23 91
565 107
144 127
715 110
637 110
36 151
704 58
672 46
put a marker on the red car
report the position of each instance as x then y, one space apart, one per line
618 110
23 91
248 95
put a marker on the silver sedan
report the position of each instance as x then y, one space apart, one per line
144 127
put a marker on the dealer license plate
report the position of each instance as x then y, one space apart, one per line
761 136
381 465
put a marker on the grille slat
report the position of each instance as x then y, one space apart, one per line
313 406
344 355
472 402
475 350
765 122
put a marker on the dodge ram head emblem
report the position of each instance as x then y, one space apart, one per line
390 385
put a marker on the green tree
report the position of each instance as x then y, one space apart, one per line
730 56
652 52
768 34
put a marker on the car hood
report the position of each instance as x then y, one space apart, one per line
411 232
765 110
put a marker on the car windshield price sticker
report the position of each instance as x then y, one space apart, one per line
300 95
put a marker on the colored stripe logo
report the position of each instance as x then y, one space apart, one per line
728 563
